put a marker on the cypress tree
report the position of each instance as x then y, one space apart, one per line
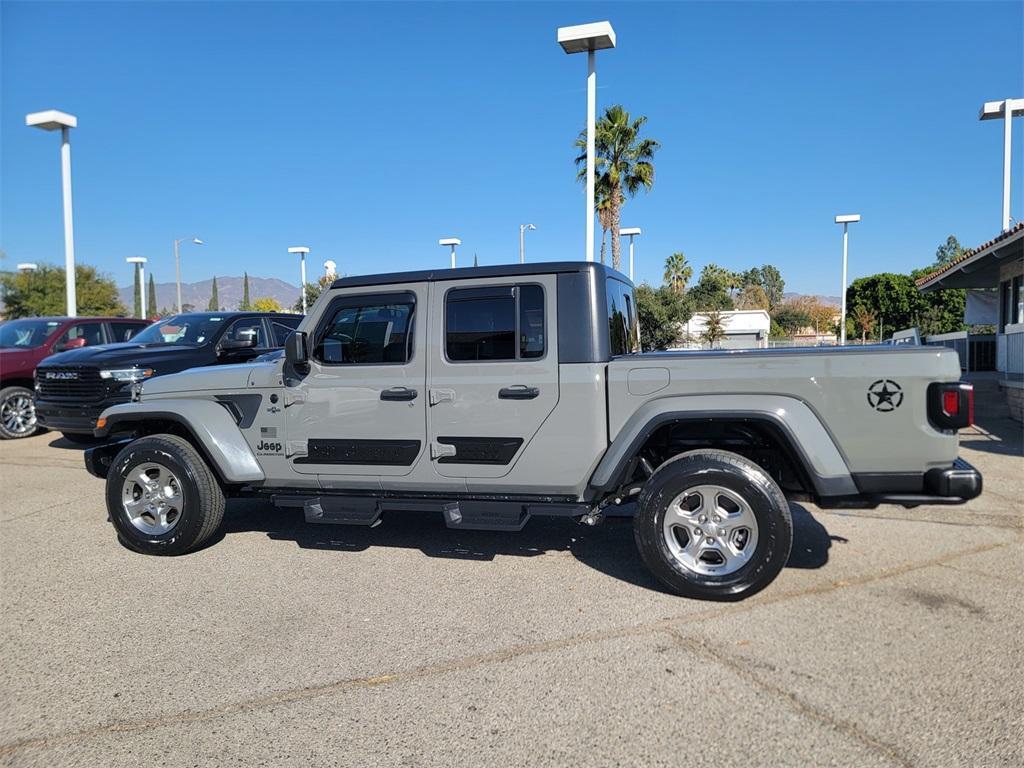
136 297
245 306
214 304
151 298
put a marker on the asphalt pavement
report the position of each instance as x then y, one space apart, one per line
894 638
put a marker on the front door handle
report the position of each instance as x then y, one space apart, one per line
398 393
518 392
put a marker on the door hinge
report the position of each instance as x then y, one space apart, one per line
442 396
439 450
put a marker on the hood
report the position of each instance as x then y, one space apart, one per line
197 379
162 358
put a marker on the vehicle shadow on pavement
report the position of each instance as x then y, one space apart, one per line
1002 436
608 548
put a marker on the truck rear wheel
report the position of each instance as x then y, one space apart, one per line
713 525
162 497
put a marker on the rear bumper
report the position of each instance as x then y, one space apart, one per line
78 419
955 484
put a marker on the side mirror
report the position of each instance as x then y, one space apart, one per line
70 344
296 353
245 340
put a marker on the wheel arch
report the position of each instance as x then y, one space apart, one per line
784 421
206 424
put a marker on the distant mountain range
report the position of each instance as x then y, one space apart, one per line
832 301
229 293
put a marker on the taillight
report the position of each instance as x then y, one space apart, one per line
951 405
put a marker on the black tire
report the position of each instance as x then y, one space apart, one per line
734 473
9 397
203 498
81 438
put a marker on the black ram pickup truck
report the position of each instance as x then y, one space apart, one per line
72 388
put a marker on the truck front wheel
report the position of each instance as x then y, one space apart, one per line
713 525
162 497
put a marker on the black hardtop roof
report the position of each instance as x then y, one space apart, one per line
475 273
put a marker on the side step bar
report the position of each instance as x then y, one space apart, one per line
465 514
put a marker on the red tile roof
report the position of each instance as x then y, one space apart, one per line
974 251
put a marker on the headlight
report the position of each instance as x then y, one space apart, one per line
127 374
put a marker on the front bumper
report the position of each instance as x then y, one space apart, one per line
64 417
99 458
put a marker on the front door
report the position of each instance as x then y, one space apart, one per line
361 408
493 372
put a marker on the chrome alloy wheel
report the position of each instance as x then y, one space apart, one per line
18 414
710 530
152 498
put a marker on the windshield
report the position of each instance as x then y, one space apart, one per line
26 334
194 329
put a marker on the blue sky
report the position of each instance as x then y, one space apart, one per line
368 131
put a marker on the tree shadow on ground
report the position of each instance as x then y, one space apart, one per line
608 548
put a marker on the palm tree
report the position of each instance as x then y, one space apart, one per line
866 319
622 161
714 331
677 272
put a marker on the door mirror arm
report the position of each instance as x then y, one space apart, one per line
296 351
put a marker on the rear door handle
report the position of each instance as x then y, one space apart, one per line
518 392
398 393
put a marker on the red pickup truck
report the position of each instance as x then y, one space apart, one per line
23 345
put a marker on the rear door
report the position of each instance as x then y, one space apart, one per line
360 410
493 372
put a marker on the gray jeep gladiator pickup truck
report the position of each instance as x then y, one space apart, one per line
492 394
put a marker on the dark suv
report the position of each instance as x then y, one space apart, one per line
26 342
74 387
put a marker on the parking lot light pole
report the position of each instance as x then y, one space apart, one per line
451 242
1007 109
177 263
846 220
52 120
302 251
630 232
27 266
590 38
522 241
140 268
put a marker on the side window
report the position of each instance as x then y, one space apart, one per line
375 330
623 329
245 328
500 323
81 335
125 331
281 332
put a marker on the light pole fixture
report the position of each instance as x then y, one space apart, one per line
302 251
451 242
177 263
140 268
522 241
590 38
1007 109
846 220
630 232
52 120
27 266
330 269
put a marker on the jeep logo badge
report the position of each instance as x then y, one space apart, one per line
885 395
62 375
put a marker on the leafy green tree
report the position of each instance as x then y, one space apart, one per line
214 304
313 291
865 320
714 289
151 298
662 312
769 279
623 160
678 272
40 293
245 304
790 318
266 304
714 331
752 297
951 250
